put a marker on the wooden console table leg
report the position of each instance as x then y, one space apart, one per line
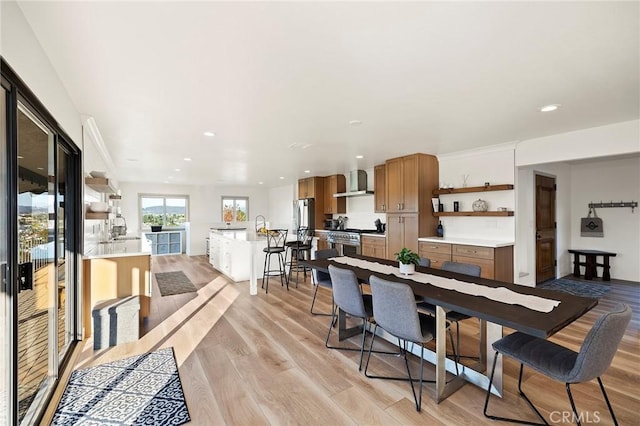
605 272
590 271
576 265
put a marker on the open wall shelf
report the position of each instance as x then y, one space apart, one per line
468 189
440 214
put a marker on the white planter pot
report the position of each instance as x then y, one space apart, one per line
407 269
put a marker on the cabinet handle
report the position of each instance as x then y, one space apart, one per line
398 206
402 204
433 247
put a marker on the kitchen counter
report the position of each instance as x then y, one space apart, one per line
118 248
467 241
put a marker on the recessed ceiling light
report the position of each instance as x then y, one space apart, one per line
281 177
133 160
187 159
166 181
176 170
549 108
307 171
355 122
210 134
359 156
260 183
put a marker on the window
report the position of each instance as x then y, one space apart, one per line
165 210
235 209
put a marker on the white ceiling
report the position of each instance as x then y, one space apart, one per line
433 77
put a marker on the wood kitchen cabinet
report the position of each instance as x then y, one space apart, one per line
380 188
403 230
495 262
334 184
374 246
310 187
410 181
323 242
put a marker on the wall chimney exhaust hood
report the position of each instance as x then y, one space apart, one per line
357 185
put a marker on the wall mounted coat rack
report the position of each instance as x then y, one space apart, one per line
632 204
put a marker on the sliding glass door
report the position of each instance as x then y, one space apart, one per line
40 211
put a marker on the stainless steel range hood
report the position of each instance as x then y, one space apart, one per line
357 185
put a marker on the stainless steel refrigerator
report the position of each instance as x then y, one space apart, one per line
305 213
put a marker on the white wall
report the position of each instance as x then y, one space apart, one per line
609 180
613 139
280 213
23 52
577 184
205 207
494 164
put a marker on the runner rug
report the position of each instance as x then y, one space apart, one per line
577 288
140 390
175 282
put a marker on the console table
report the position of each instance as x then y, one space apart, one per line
590 263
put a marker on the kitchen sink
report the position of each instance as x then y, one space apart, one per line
127 238
230 229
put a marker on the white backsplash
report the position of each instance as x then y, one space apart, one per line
360 213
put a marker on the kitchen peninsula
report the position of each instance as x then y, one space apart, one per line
116 269
239 254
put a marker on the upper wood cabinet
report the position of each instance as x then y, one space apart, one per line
310 187
380 188
410 181
334 184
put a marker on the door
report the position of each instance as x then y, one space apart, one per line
395 235
394 185
6 409
410 179
379 186
545 228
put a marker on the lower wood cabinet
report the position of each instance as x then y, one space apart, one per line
115 277
374 246
403 230
495 262
323 243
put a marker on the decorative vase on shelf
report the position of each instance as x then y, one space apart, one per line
480 205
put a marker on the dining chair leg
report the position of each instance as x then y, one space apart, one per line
573 404
506 419
606 399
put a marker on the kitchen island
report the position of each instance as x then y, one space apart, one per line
239 254
116 269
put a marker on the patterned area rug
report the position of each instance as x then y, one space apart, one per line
175 282
141 390
577 288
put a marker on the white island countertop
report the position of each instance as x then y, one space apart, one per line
119 248
467 241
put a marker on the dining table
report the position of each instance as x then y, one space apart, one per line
538 312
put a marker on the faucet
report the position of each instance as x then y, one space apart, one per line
264 222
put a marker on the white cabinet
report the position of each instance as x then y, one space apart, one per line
230 256
165 242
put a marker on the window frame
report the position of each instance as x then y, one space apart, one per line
163 197
235 198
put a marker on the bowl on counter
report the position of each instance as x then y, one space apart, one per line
156 228
99 207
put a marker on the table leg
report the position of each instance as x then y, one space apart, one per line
605 273
590 269
343 331
576 265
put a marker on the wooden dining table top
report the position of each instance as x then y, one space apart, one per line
535 323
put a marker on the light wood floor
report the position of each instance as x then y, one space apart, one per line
249 360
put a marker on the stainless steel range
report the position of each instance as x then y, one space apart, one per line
347 242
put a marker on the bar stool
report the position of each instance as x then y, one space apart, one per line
276 239
296 251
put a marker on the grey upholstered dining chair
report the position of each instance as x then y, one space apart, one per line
320 278
563 364
452 316
425 262
348 296
395 311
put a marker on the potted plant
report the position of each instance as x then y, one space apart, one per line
408 261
